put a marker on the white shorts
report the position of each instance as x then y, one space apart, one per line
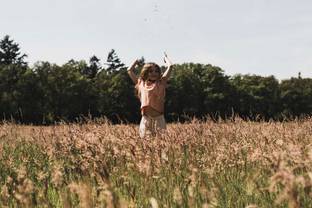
152 125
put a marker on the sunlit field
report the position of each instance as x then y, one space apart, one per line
197 164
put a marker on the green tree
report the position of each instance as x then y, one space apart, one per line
93 68
10 76
67 93
296 97
10 52
183 94
198 90
217 92
256 96
113 62
116 99
29 97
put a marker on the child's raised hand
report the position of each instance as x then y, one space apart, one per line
133 65
167 60
136 62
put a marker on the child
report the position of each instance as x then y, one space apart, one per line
150 87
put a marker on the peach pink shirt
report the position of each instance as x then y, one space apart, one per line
152 95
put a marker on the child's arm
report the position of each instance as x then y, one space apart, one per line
131 73
167 73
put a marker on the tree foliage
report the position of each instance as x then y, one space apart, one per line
10 52
47 93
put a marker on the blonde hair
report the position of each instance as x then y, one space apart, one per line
146 68
144 74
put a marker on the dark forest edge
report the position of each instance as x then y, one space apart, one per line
48 93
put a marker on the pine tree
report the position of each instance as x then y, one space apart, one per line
113 62
10 52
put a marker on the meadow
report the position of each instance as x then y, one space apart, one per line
232 163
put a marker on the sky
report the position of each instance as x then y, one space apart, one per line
263 37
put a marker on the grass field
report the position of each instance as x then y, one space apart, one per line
198 164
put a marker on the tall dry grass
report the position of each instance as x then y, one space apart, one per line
198 164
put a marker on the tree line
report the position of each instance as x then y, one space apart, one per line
47 93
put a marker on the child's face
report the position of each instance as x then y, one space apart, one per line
153 73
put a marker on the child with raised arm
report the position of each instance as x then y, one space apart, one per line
150 87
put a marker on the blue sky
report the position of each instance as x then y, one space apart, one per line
264 37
